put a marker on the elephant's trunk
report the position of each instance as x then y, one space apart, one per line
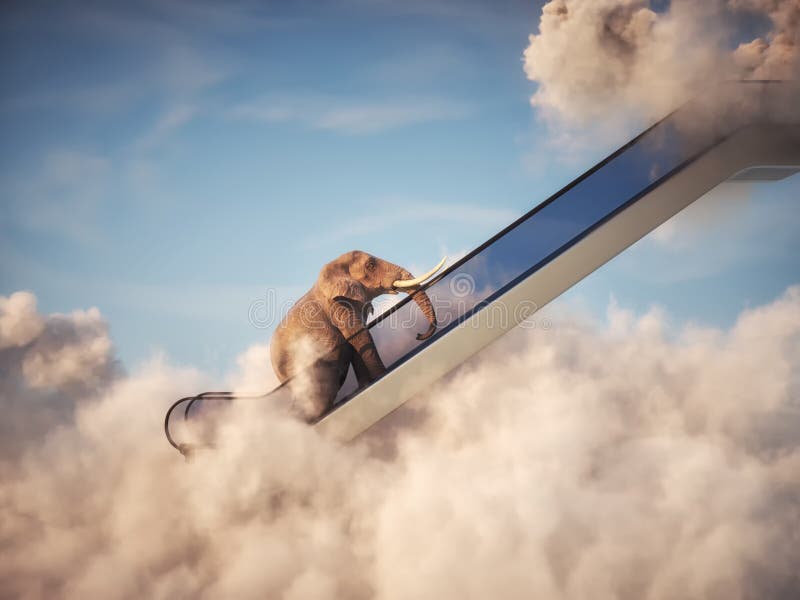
407 283
426 306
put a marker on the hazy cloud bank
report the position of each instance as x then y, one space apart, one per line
604 460
350 116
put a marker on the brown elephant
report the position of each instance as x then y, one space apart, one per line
324 332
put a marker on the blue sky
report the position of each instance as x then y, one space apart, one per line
170 162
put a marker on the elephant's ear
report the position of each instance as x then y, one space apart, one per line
344 288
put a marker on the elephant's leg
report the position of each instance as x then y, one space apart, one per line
360 368
327 376
314 388
348 318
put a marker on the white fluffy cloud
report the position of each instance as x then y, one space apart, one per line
71 349
607 460
48 364
610 58
20 323
777 55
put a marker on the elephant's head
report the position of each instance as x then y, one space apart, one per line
359 277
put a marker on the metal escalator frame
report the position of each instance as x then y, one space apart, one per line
550 276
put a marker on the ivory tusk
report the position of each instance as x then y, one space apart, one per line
407 283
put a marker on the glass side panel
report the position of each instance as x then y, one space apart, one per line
537 238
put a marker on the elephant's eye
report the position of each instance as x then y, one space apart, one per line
370 265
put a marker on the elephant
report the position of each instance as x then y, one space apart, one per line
324 332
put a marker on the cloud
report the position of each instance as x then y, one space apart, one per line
596 459
166 125
613 59
20 323
48 364
253 371
374 118
776 55
71 349
72 168
420 66
429 213
351 117
62 196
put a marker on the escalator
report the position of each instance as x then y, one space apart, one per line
740 130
